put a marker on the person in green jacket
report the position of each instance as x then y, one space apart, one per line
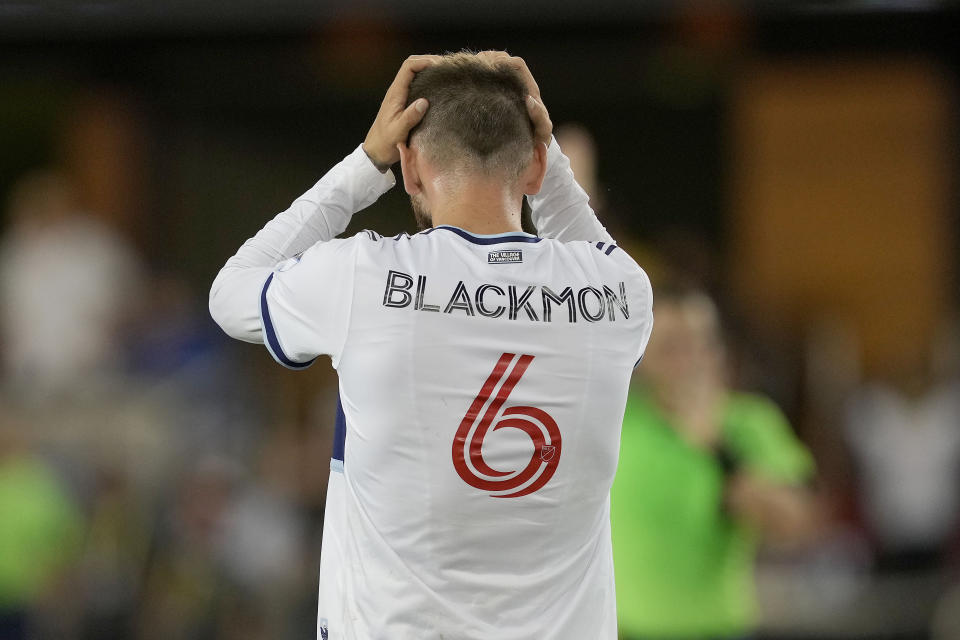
40 533
704 473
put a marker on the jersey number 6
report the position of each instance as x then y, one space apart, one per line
536 423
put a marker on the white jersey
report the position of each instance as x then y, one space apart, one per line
483 381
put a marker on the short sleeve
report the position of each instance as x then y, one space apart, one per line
305 304
760 435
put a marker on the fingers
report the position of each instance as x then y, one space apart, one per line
493 56
395 118
542 125
421 62
518 64
521 66
413 114
409 68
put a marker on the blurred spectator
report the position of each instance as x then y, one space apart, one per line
66 283
171 336
904 435
580 147
40 528
183 579
173 350
228 559
704 473
262 542
946 619
114 557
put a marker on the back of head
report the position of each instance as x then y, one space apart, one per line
477 121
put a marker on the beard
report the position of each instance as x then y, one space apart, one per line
420 213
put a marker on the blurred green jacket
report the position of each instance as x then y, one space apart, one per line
684 568
39 530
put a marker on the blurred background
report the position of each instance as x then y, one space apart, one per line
797 161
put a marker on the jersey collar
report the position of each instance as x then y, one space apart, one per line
493 238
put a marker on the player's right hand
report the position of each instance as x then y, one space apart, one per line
395 119
542 125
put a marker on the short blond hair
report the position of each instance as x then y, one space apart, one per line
477 120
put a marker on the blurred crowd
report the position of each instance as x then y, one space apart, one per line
150 487
724 525
144 492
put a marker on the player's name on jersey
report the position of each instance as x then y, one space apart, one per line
536 303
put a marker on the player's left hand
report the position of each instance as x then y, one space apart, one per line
536 109
395 119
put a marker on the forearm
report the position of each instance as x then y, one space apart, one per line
320 214
562 208
781 513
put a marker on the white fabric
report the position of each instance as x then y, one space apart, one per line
562 208
428 333
318 215
908 452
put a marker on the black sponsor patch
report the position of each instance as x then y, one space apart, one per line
505 256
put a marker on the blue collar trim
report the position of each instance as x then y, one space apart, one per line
493 238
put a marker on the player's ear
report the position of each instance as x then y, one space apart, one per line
532 177
408 167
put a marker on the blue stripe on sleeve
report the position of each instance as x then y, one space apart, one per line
339 432
271 341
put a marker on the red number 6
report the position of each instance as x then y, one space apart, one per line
536 423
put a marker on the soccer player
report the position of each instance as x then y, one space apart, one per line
483 370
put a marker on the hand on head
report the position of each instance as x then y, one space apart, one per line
395 119
542 126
